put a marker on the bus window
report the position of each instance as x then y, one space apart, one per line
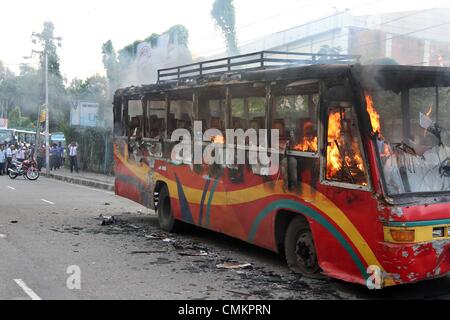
248 107
344 160
295 115
156 119
180 116
118 121
211 110
135 118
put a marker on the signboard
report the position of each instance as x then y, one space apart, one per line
3 123
84 114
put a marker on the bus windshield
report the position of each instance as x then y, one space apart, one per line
410 117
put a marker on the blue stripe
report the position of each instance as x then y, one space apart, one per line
208 206
307 211
202 203
418 223
184 204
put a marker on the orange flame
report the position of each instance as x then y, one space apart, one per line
430 111
337 152
218 139
307 145
334 159
374 115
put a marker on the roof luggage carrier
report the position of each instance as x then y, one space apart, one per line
251 62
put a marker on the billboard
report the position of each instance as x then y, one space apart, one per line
84 114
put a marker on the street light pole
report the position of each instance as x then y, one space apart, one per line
47 134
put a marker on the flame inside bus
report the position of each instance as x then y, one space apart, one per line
307 145
344 158
374 115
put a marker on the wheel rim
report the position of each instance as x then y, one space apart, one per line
32 174
306 252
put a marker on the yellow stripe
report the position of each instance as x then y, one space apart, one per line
259 192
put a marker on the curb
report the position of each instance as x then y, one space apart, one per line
83 182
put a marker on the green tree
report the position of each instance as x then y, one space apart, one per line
110 64
224 15
48 41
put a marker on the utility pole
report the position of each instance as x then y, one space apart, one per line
44 54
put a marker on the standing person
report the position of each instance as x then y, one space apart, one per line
40 157
59 155
53 157
9 156
73 154
20 155
2 160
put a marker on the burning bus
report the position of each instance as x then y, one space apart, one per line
362 190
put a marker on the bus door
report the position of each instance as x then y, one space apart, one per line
345 180
248 112
295 113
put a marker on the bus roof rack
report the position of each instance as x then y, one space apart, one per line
250 62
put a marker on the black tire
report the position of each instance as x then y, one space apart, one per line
167 221
12 175
300 250
33 175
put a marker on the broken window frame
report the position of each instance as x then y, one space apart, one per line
119 125
305 84
126 112
147 114
326 105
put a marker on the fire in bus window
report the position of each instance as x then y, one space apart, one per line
135 119
156 119
295 117
180 116
345 162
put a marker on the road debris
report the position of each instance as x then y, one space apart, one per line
192 253
14 221
233 266
107 220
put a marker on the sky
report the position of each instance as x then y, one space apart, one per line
85 25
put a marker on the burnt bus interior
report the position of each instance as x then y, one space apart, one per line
304 96
412 131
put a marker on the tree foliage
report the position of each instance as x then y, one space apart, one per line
224 16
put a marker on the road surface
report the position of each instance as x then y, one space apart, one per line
51 236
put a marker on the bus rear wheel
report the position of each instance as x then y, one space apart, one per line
167 221
300 250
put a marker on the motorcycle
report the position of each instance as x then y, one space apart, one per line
28 169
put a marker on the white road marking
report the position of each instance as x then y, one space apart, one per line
27 290
2 236
11 188
46 201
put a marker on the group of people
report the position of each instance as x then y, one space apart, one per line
10 152
21 152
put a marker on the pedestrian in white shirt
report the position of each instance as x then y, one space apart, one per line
9 156
2 160
73 155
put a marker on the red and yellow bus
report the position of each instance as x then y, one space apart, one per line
363 186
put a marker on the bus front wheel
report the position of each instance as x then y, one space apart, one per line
300 250
167 221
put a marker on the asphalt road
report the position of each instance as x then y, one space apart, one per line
48 226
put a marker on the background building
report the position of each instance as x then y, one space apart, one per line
412 37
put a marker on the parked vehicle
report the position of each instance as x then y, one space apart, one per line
28 169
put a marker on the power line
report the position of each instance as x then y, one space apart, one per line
384 23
